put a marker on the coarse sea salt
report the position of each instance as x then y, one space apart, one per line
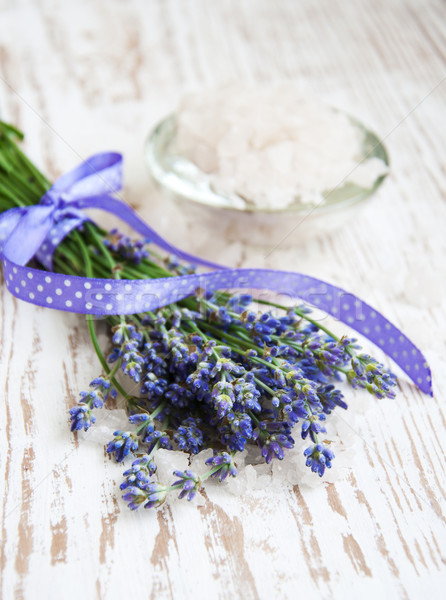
274 146
253 472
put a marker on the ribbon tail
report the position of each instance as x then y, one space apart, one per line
99 174
342 305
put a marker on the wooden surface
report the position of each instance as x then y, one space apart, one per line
80 77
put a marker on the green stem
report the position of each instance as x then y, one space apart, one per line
99 243
90 323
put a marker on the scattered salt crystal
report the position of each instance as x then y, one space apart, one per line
273 145
236 486
263 482
198 462
250 475
253 472
107 422
168 461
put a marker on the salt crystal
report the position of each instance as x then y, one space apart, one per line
168 461
107 422
253 472
263 482
198 462
250 476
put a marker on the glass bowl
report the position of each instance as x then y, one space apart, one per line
237 219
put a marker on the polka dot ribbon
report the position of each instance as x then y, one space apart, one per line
37 230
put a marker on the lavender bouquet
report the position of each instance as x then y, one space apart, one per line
211 371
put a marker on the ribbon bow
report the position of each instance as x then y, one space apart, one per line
36 231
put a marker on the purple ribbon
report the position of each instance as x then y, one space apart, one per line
36 231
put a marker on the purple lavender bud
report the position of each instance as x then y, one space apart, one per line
188 483
124 443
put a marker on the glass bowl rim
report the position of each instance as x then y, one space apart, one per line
159 174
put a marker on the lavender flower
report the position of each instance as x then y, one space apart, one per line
139 473
313 427
135 496
188 483
132 360
223 398
127 249
319 458
272 437
122 445
155 494
157 438
371 375
81 416
188 436
223 465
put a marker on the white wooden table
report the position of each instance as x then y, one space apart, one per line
80 77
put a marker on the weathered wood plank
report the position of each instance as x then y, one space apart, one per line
80 77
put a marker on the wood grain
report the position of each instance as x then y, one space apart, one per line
81 77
